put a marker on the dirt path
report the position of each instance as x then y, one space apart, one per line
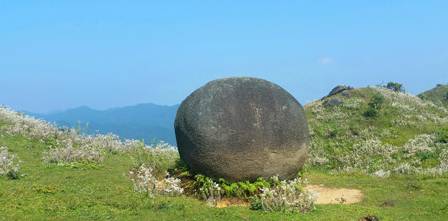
327 195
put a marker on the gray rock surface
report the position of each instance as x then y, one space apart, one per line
331 102
338 89
242 129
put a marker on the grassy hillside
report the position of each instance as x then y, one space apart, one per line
65 176
438 95
402 136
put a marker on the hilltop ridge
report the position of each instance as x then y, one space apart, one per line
346 138
438 95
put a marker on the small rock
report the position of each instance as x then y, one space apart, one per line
388 203
369 218
382 173
331 102
339 89
346 93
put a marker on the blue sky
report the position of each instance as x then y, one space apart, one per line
61 54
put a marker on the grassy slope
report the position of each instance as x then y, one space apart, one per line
105 193
436 95
337 129
347 120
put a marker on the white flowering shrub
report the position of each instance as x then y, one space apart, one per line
145 181
66 155
9 165
368 156
20 124
68 146
286 196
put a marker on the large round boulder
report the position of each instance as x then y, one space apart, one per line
242 129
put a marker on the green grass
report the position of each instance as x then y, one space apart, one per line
104 192
337 129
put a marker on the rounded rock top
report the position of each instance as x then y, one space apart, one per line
241 129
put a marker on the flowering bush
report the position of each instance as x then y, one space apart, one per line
145 181
20 124
68 146
70 155
368 157
9 165
286 196
422 155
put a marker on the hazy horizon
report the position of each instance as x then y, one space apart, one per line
57 55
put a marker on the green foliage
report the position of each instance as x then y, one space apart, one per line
206 187
442 135
202 181
256 203
394 86
374 106
180 169
446 96
243 189
13 175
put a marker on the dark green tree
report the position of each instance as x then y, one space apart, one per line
394 86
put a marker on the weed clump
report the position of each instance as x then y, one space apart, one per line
207 189
69 155
150 172
284 196
161 158
146 181
9 165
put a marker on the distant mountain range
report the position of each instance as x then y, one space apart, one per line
149 122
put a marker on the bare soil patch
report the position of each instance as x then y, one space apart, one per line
327 195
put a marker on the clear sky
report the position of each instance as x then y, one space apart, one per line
61 54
